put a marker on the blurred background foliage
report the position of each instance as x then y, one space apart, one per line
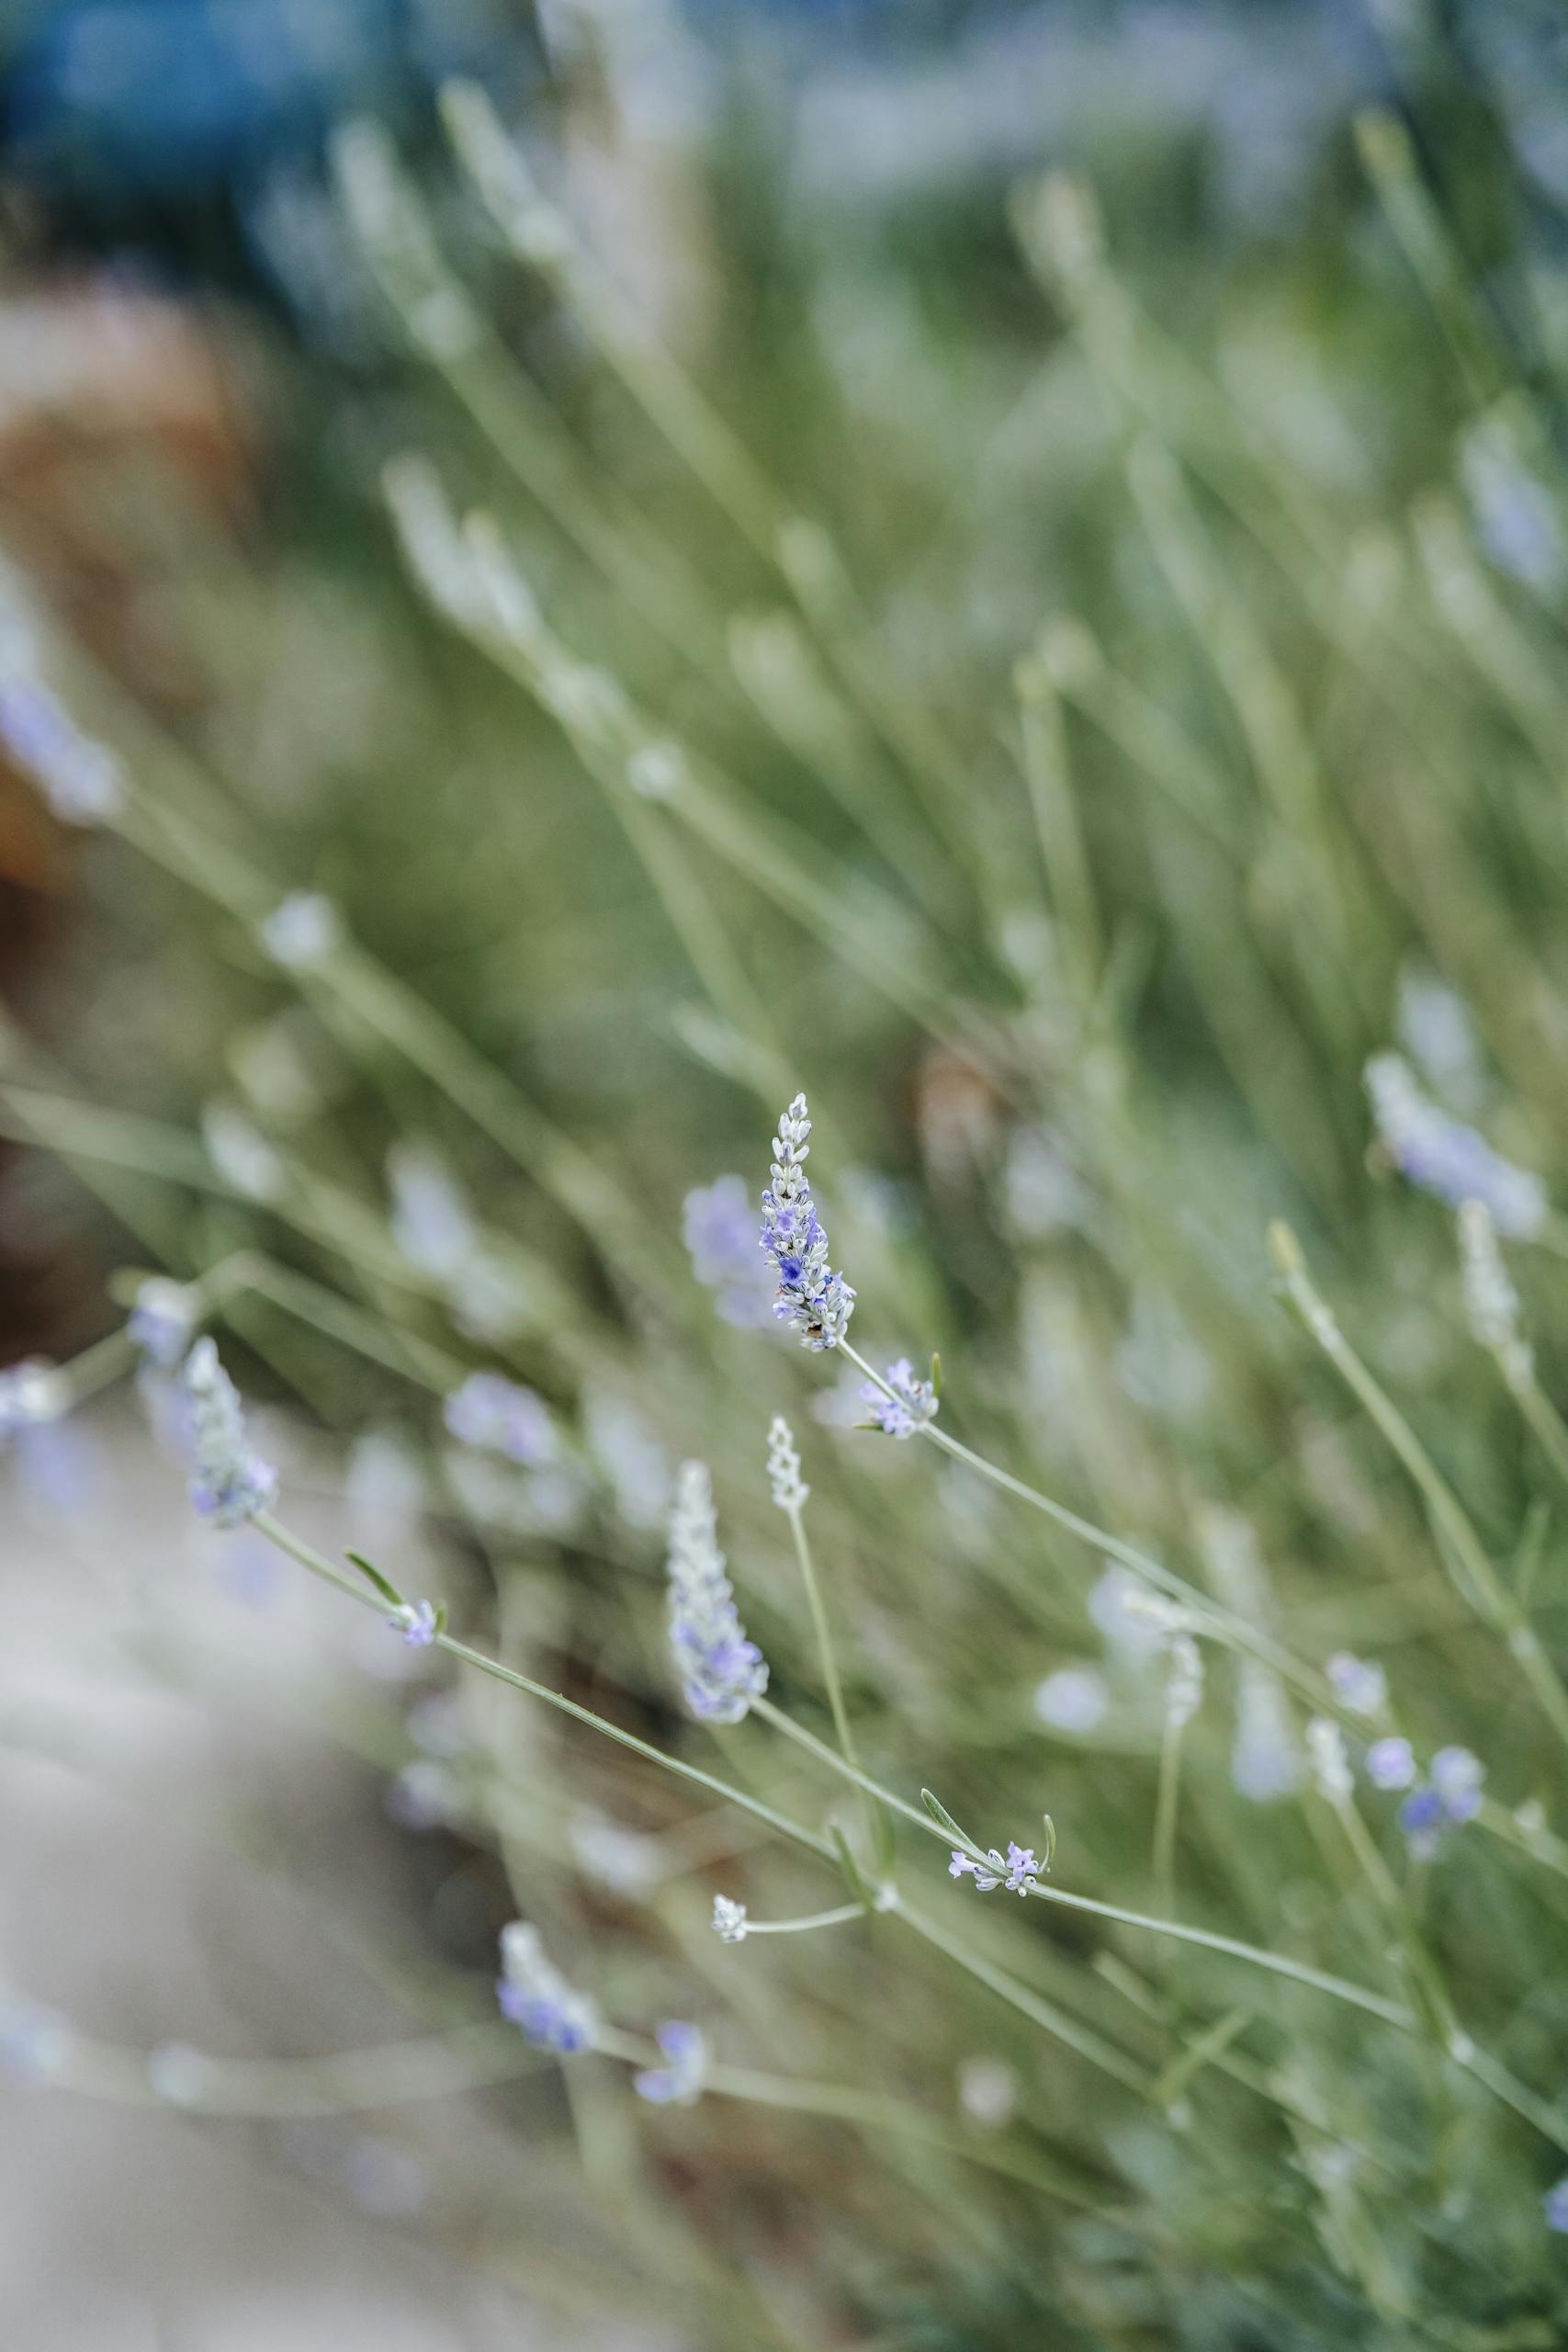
1182 388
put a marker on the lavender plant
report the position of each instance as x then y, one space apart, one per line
1242 1579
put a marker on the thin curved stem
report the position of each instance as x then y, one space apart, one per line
319 1566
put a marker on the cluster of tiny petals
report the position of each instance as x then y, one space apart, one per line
500 1416
1445 1158
911 1406
789 1490
813 1300
1391 1763
721 1672
536 1997
1360 1684
229 1483
730 1922
679 2081
1017 1870
416 1621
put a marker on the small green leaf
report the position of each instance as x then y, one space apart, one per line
944 1820
388 1593
936 1373
1050 1841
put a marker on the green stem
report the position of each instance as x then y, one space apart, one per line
319 1566
1460 1547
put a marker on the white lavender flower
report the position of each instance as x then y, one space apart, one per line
81 780
1330 1765
679 2081
721 1672
533 1995
912 1405
1362 1685
500 1417
229 1483
789 1490
1442 1156
302 931
816 1303
1491 1302
1017 1870
1457 1776
718 1226
162 1321
729 1924
1391 1763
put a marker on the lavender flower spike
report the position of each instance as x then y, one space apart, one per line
819 1304
417 1621
912 1404
229 1483
535 1995
1445 1158
721 1672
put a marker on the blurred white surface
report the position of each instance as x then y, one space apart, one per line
165 1695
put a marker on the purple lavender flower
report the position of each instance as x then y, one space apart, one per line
228 1482
819 1304
80 779
1436 1152
501 1417
719 1230
535 1995
1017 1870
160 1321
418 1622
1391 1763
1362 1685
721 1672
911 1406
680 2082
1555 2203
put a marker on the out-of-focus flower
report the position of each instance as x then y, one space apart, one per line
498 1415
535 1995
302 931
1441 1156
229 1483
1362 1685
719 1227
81 780
721 1672
162 1321
1073 1699
679 2081
1391 1763
431 1221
